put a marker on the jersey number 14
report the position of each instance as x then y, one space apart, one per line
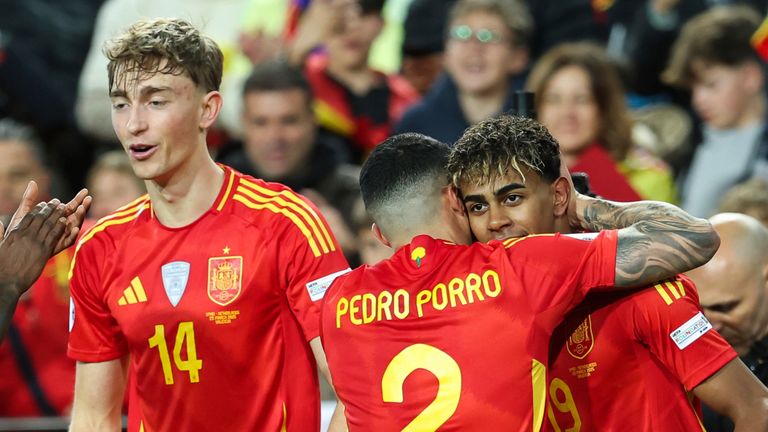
185 335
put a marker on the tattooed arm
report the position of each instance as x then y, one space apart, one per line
656 240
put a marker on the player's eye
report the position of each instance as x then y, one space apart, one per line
724 307
157 102
477 208
512 199
118 105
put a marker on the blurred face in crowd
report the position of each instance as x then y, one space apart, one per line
18 165
112 189
733 291
723 94
349 45
160 120
511 206
480 54
422 70
279 131
569 110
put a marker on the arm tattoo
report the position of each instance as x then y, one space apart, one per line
656 240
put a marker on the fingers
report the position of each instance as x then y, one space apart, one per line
27 219
53 230
25 206
53 213
40 215
76 201
73 224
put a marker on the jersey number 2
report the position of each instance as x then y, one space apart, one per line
442 366
185 334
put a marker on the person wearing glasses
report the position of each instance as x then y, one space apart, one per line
486 56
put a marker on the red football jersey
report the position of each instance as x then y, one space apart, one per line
631 360
456 337
215 315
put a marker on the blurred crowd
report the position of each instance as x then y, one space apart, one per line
654 99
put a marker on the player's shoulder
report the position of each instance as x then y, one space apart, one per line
257 199
112 227
669 292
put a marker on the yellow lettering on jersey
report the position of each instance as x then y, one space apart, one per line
365 308
539 386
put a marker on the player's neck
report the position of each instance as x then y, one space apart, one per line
187 193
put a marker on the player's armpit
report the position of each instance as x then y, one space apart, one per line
735 392
656 240
99 390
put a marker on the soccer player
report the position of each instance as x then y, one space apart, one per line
619 359
207 288
445 335
35 233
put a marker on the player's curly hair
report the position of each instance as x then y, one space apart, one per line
494 146
164 45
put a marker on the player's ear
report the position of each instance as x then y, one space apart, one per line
455 202
380 236
561 195
211 107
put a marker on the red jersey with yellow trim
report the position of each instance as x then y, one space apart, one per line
456 337
632 360
215 315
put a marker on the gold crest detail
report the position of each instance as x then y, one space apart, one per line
582 339
225 276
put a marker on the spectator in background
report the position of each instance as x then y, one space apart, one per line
486 55
112 183
21 160
281 143
38 378
580 99
424 42
733 291
749 198
352 100
713 57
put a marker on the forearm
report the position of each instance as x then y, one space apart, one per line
338 422
656 240
9 297
752 421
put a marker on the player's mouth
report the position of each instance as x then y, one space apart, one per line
141 152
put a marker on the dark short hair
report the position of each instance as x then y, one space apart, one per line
719 36
371 6
11 130
165 45
496 145
399 166
276 75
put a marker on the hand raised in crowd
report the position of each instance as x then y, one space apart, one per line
320 20
74 213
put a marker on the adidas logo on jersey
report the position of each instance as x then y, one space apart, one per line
133 294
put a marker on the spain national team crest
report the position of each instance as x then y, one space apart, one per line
582 339
225 276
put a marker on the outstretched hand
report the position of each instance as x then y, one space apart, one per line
74 213
27 246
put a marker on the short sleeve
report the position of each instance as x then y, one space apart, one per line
668 319
94 333
559 270
311 260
